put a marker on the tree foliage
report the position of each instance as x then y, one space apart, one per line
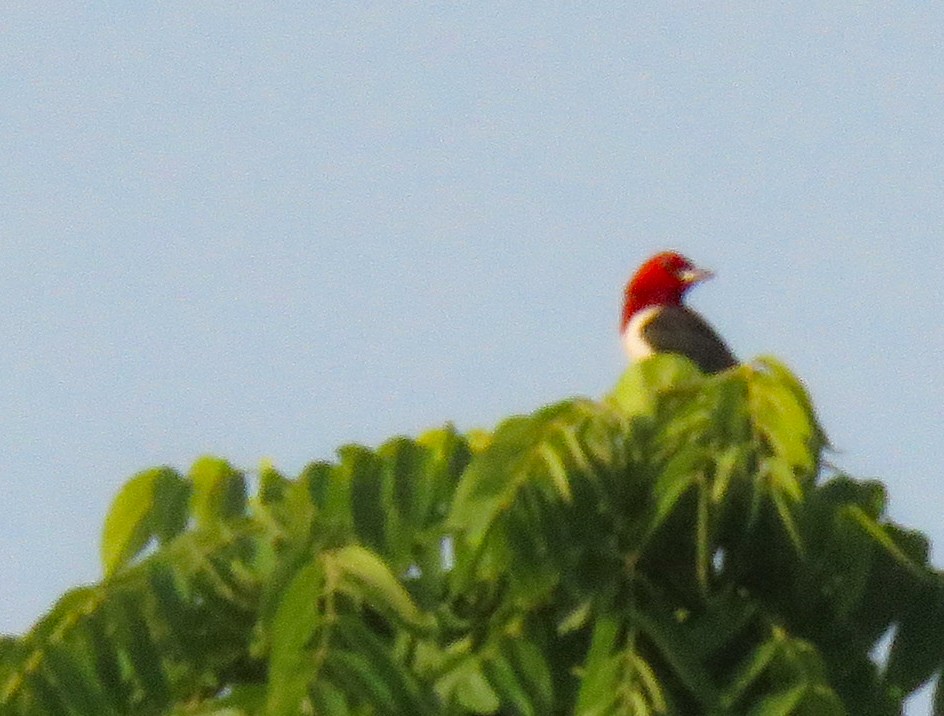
678 548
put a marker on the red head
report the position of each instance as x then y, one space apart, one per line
661 281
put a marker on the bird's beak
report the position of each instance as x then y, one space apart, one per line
695 275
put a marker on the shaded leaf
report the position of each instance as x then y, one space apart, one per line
670 640
917 650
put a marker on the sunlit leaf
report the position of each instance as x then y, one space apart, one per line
599 670
782 702
666 551
784 422
786 378
881 537
295 656
369 577
641 385
130 522
466 685
219 491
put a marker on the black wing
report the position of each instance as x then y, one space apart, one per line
676 329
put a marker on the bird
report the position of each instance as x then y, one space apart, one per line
655 320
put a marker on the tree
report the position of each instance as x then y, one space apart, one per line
678 548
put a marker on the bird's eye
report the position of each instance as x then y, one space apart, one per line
673 267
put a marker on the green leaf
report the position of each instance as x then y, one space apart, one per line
882 538
492 479
478 440
786 514
682 473
129 524
330 490
918 648
272 484
328 699
729 465
370 495
170 605
508 686
820 700
781 479
782 702
725 617
405 465
513 508
786 378
557 470
72 675
360 681
171 506
670 640
294 658
783 420
644 382
401 691
599 672
219 491
846 555
108 662
749 671
143 650
447 454
530 666
285 506
465 685
363 574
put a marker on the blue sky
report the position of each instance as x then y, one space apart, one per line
262 232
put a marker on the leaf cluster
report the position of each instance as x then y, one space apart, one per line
678 548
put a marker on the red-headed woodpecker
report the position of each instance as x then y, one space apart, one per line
656 321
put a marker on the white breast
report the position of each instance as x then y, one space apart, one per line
633 341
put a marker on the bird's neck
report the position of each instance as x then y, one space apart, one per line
636 302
